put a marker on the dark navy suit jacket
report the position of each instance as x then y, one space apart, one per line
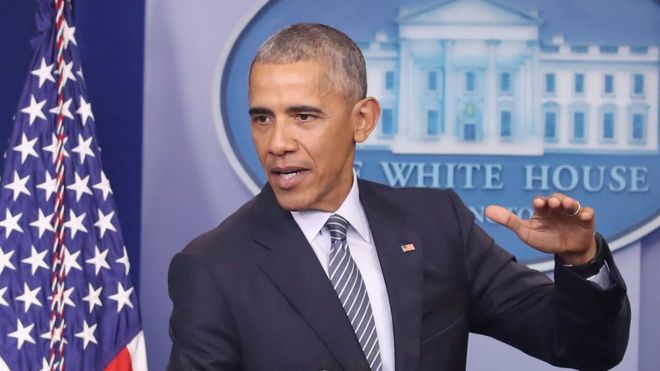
251 294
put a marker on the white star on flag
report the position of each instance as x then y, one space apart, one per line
99 260
87 334
35 110
66 297
56 336
43 223
67 73
85 111
122 297
83 149
29 297
45 366
22 334
26 148
2 297
10 223
70 260
5 260
44 72
19 185
36 260
52 148
49 186
69 34
93 297
105 222
65 109
75 223
103 186
80 186
124 260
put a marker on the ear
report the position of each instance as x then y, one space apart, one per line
365 112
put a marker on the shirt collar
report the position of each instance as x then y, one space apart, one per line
311 222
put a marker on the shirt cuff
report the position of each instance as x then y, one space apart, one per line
603 278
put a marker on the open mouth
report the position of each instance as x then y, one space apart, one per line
287 177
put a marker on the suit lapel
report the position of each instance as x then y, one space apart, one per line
294 268
402 272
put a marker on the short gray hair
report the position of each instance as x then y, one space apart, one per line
299 42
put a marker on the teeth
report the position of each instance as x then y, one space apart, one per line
290 175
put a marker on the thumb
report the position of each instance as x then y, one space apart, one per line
504 217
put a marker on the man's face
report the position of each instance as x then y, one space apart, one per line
303 132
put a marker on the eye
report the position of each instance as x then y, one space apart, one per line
261 119
304 117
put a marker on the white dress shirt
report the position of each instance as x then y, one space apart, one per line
363 250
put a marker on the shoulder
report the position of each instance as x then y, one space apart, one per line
231 235
413 197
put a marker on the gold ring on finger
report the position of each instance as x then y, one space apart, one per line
577 211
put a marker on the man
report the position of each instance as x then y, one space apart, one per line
324 271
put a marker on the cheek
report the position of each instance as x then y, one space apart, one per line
259 141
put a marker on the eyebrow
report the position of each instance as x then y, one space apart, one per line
304 108
259 111
290 110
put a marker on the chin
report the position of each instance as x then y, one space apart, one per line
290 203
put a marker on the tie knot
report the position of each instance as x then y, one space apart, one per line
337 226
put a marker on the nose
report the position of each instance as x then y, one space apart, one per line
282 139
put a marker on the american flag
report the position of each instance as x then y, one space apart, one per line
66 296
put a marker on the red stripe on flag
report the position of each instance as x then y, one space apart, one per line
122 362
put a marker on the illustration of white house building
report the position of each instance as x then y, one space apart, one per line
473 77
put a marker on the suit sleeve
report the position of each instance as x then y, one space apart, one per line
571 322
201 325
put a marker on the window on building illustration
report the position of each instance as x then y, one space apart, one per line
389 80
608 125
432 82
578 126
505 82
505 124
638 127
580 49
639 49
579 83
387 122
470 132
609 84
609 49
550 48
470 81
550 83
550 123
432 122
638 84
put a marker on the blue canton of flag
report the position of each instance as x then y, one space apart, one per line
99 319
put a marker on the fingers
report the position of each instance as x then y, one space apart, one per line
503 216
586 215
561 204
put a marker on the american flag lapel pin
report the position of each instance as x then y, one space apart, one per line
408 247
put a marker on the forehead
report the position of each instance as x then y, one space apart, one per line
268 75
304 81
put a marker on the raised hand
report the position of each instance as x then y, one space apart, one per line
560 225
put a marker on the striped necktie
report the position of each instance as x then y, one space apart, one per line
347 281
